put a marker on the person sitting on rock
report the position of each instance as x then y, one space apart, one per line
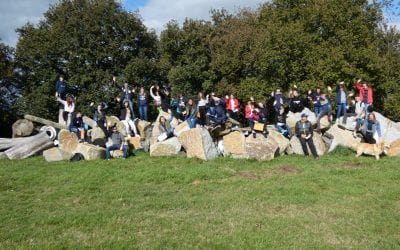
252 116
100 116
69 109
280 123
304 132
191 113
325 110
296 102
232 106
118 143
126 118
371 129
164 126
217 114
78 127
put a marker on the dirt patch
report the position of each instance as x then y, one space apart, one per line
288 170
262 174
352 165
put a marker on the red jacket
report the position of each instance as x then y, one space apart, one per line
229 106
251 115
360 89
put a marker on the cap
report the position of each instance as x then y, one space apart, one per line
304 115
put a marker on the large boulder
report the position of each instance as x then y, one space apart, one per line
134 143
141 127
22 128
394 149
168 147
90 152
351 122
260 148
341 137
282 141
68 141
389 129
318 142
98 136
292 118
184 126
198 143
111 121
117 153
121 128
56 154
235 144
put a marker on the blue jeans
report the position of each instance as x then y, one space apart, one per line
317 110
192 122
116 147
283 129
341 108
76 131
143 112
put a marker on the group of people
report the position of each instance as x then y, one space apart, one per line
211 111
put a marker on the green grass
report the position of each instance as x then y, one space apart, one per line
291 202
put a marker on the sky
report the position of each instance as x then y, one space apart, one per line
155 13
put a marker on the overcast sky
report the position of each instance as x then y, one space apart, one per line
155 13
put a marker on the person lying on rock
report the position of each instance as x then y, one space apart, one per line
117 144
304 132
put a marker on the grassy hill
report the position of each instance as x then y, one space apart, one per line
142 202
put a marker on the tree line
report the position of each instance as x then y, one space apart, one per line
309 43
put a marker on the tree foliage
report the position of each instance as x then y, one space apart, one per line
284 42
89 41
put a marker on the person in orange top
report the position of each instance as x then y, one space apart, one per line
365 93
232 106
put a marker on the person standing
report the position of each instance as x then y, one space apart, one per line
100 117
117 144
110 90
365 93
127 95
278 100
341 102
61 92
143 101
304 132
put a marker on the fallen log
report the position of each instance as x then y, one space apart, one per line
22 128
29 147
90 122
6 143
45 122
50 131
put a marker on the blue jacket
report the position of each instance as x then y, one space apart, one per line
61 87
324 103
376 127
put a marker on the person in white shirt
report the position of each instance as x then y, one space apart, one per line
69 109
202 106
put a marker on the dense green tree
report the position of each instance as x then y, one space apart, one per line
89 41
185 52
8 89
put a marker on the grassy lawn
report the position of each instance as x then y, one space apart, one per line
337 202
